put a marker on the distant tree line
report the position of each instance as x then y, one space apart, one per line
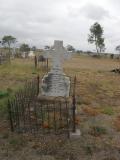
8 41
96 37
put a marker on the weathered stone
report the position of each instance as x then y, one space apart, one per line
56 83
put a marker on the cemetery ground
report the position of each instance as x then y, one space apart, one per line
98 116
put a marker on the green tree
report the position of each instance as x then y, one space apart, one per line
34 48
96 37
0 44
24 48
70 48
118 48
7 41
47 47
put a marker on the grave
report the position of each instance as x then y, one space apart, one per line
56 83
51 111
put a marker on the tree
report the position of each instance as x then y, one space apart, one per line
34 48
70 48
101 45
24 48
47 47
118 48
7 41
0 43
95 36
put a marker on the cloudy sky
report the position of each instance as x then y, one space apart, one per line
40 22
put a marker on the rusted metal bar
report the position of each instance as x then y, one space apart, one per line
67 118
10 116
47 64
38 84
35 61
74 104
60 112
48 117
29 116
17 113
42 118
54 110
36 117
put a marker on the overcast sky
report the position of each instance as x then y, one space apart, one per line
40 22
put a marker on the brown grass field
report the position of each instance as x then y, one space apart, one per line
98 117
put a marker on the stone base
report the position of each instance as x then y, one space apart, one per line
55 84
76 134
51 99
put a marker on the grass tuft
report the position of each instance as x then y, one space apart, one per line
108 110
97 131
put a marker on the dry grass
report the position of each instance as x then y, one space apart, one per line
14 74
95 82
91 111
117 123
98 98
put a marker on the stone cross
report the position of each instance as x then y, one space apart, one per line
56 83
58 55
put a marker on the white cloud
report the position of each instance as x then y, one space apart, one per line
94 12
39 22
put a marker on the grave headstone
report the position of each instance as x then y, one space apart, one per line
56 83
31 54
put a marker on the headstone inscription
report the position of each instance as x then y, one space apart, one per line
56 83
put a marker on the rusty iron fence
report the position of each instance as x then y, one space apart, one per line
29 114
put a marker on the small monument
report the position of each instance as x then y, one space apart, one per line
31 54
56 83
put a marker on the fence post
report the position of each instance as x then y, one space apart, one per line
10 116
68 120
35 61
38 84
74 104
47 64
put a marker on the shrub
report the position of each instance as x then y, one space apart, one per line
17 142
108 111
3 94
88 149
97 131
